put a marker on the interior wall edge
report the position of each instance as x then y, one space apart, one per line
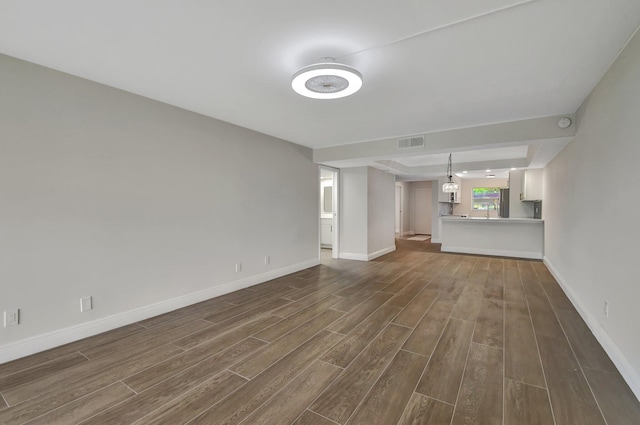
629 374
38 343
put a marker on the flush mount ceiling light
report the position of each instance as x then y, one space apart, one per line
326 79
450 186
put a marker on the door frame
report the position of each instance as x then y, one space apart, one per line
335 222
399 194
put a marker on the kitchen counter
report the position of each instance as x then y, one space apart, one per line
507 237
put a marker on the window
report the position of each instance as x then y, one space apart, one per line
485 197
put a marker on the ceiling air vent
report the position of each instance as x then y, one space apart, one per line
413 142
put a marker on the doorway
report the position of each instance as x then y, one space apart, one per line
422 210
399 231
329 235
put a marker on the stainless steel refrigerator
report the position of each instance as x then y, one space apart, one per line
504 203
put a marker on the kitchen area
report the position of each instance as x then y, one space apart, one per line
492 215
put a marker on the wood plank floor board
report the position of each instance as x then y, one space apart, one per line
151 376
543 316
201 309
303 303
343 353
350 320
186 407
247 307
469 302
586 347
249 319
311 418
317 291
283 327
51 397
452 292
258 362
522 361
38 372
160 334
38 359
572 401
235 408
441 379
422 410
490 323
513 289
616 400
290 402
85 370
174 386
386 401
85 407
342 397
526 404
400 283
426 334
558 298
349 303
416 309
494 288
408 293
480 398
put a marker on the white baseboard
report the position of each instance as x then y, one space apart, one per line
367 257
381 252
627 371
59 337
497 252
435 240
353 256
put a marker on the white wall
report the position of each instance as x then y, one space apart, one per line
465 206
353 211
367 213
381 207
591 197
144 206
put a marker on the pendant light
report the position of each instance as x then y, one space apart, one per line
450 186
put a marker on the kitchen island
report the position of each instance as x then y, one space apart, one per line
507 237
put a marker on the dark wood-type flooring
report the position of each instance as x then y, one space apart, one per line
414 337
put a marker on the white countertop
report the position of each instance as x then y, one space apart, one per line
492 219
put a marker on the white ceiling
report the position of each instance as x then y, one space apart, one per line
427 65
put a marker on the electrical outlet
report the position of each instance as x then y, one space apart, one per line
267 260
11 317
238 267
85 304
606 308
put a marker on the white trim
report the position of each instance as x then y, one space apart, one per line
381 252
436 240
617 357
497 252
59 337
367 257
353 256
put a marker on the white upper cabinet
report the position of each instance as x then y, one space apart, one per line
531 187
